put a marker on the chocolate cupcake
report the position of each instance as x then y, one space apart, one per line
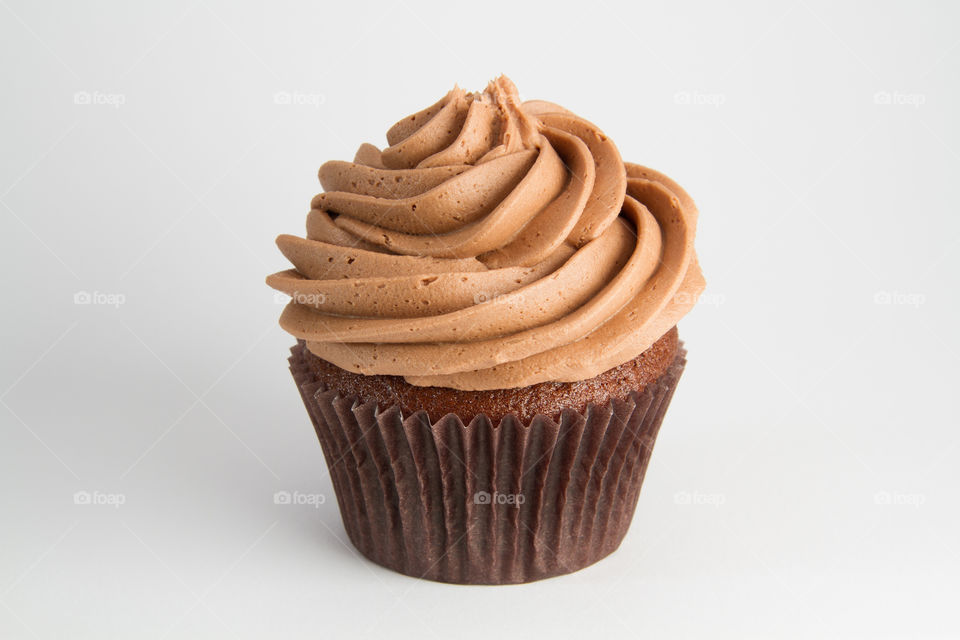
485 313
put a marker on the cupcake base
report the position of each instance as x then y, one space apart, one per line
485 502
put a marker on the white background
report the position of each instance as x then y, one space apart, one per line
805 483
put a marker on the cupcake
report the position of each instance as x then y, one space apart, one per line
485 314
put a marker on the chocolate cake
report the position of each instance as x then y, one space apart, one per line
545 398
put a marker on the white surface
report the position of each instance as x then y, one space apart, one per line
813 437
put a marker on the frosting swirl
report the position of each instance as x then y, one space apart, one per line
495 243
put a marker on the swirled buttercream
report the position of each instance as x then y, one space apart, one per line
493 244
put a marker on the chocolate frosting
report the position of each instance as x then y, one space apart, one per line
494 244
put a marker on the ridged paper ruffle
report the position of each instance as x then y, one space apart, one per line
483 503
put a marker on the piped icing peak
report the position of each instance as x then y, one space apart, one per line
494 243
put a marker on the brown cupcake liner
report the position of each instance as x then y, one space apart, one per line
486 504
